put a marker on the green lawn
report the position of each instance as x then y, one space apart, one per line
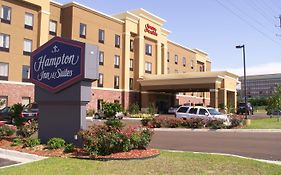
265 123
166 163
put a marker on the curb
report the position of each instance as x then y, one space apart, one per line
18 157
231 155
217 130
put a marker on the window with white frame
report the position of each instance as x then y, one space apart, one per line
131 65
83 30
4 42
28 21
27 46
6 14
176 59
116 82
4 71
100 80
101 57
148 67
116 61
101 36
117 41
131 83
53 27
148 49
131 45
25 100
184 61
25 73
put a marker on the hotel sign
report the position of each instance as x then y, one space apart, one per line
150 29
57 64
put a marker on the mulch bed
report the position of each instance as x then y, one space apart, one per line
41 150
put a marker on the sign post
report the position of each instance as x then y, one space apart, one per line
63 71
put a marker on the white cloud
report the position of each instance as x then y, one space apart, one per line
266 68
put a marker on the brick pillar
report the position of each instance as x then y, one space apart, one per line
214 98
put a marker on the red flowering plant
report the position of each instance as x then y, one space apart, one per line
6 130
27 129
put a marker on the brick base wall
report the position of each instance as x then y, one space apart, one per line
15 92
192 100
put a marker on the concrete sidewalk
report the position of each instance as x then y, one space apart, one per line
216 130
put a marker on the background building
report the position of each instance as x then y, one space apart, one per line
260 85
133 45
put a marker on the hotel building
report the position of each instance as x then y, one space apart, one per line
137 62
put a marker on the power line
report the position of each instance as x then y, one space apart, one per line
247 22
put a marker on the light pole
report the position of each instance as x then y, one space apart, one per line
245 85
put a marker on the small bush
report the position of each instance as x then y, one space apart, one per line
27 129
215 124
141 139
146 121
110 109
236 121
90 112
69 148
114 123
16 142
196 122
134 108
31 142
55 143
6 130
16 111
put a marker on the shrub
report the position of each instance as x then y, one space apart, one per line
27 129
16 111
90 112
196 122
236 121
6 130
110 109
55 143
215 124
69 148
16 142
152 109
114 124
166 122
134 108
104 140
146 121
31 142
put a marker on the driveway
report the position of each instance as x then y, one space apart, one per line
260 145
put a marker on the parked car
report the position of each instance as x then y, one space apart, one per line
275 112
100 115
173 109
6 114
200 111
242 108
31 111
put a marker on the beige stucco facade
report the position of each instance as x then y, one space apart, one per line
137 29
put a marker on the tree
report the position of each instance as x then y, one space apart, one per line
274 101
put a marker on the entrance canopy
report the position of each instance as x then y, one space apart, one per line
217 83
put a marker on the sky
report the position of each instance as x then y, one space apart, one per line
216 27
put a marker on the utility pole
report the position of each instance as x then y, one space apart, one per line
279 26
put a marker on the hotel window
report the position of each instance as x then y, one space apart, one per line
25 100
25 73
27 47
116 61
131 83
100 80
131 45
53 28
101 58
117 41
148 49
184 61
101 36
83 30
99 104
28 21
131 64
176 59
4 71
192 64
6 14
168 56
116 82
148 67
4 42
3 101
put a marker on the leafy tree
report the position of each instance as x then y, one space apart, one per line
16 110
274 101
